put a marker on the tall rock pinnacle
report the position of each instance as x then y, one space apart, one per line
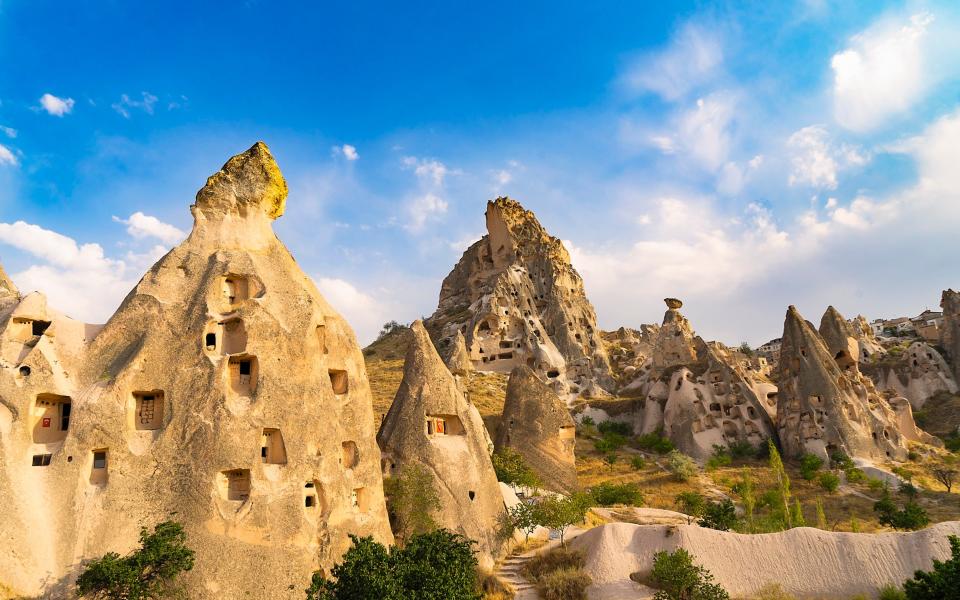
517 300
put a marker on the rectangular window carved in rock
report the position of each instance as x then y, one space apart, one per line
339 381
51 418
41 460
272 449
148 410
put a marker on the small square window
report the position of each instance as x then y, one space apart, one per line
100 459
41 460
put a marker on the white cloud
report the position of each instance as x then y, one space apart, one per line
10 132
141 226
883 72
423 209
429 170
461 245
816 159
56 106
347 151
126 104
7 157
690 60
362 311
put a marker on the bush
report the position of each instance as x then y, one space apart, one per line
678 578
719 515
943 582
439 565
587 420
911 516
691 504
616 427
681 466
412 500
829 481
720 458
655 442
564 584
512 469
150 571
856 475
560 513
742 449
610 442
608 494
492 587
809 465
840 460
952 443
891 592
638 462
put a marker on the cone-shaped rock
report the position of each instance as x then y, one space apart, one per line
537 424
8 290
224 392
712 403
950 330
517 299
823 408
431 424
459 359
839 337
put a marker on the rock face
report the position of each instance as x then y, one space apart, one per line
870 347
537 424
431 424
224 391
458 360
8 291
699 394
950 330
825 404
920 374
517 300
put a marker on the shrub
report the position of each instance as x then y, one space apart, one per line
909 490
876 485
829 481
719 515
742 449
942 582
512 469
638 462
681 466
720 458
655 442
952 443
911 516
560 513
840 460
692 504
587 420
617 427
610 459
150 571
439 565
891 592
492 587
564 584
519 517
678 578
412 500
610 442
856 475
608 494
809 465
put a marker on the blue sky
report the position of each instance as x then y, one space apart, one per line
742 158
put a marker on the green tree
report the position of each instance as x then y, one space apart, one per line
796 514
829 481
691 504
148 572
560 513
679 578
744 488
809 465
638 462
821 515
911 516
438 565
412 500
519 517
783 483
719 515
609 494
512 469
681 466
610 459
942 583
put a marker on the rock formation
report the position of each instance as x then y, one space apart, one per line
458 360
224 392
825 404
920 374
674 345
870 347
516 299
537 424
8 291
699 394
431 424
950 330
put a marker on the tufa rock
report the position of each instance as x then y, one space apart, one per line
517 300
950 330
8 291
537 424
225 391
674 345
825 406
430 423
838 335
870 347
920 374
458 360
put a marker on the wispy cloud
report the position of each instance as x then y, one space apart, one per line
7 157
126 104
689 61
347 151
10 132
816 159
141 226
